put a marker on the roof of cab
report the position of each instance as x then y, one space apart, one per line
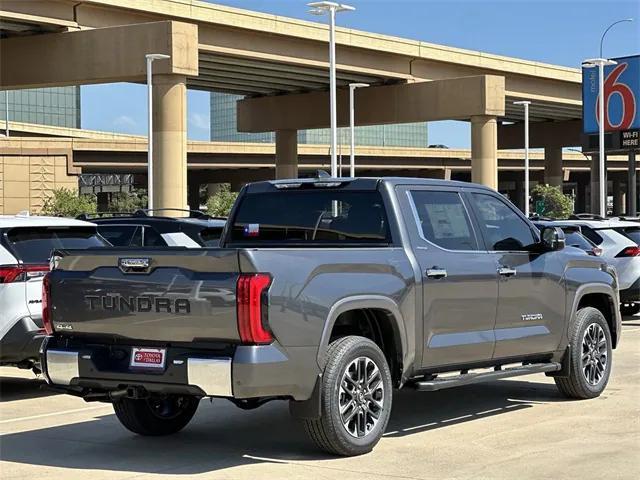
24 220
362 183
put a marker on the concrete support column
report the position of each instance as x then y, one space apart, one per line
170 142
617 195
193 195
484 150
286 154
632 188
581 198
518 198
553 166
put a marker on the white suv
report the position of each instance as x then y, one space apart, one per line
619 241
25 247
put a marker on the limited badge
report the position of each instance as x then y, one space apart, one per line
252 230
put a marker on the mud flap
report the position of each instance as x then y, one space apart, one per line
310 408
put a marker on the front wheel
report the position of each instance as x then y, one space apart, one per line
590 361
157 415
356 398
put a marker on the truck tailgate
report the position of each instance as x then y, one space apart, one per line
153 295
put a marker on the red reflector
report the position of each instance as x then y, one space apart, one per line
46 305
20 273
249 290
630 252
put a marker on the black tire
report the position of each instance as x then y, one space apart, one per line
156 416
586 348
328 432
629 309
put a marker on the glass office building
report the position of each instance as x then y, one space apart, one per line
223 129
59 106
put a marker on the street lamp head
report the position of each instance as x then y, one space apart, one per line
522 102
320 8
358 85
596 62
156 56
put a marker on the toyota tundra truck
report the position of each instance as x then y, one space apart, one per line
330 293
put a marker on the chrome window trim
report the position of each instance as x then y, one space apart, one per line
416 219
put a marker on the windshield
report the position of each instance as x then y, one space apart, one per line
311 217
34 245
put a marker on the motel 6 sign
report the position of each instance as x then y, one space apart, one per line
621 99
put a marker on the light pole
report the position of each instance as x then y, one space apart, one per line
600 63
6 113
321 8
352 125
150 58
609 28
526 104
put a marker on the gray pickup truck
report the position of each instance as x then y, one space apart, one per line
330 293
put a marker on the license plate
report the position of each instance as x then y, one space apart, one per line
148 357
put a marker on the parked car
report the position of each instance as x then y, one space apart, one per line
142 230
330 293
25 246
573 236
618 240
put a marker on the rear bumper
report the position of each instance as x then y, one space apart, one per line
631 294
244 372
22 343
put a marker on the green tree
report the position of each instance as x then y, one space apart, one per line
555 204
219 204
68 203
128 202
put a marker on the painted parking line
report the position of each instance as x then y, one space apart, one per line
53 414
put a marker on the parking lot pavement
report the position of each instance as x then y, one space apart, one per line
508 429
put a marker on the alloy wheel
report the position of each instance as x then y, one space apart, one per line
594 354
361 397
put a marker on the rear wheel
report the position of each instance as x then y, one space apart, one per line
590 362
629 309
356 398
157 415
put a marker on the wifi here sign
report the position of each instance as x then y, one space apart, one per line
621 100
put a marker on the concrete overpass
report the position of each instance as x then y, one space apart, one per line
280 64
36 158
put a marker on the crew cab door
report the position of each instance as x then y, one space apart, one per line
459 280
531 293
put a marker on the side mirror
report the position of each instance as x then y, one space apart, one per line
552 238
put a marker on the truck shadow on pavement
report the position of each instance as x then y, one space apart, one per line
16 388
222 436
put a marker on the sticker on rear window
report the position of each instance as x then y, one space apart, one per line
252 230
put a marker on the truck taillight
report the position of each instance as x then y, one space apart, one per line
21 273
252 325
46 305
630 252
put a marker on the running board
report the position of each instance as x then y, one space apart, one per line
471 378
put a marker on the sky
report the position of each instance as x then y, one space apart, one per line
562 32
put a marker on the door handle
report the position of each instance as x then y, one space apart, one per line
507 271
436 273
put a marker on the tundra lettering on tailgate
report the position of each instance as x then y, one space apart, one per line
118 303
